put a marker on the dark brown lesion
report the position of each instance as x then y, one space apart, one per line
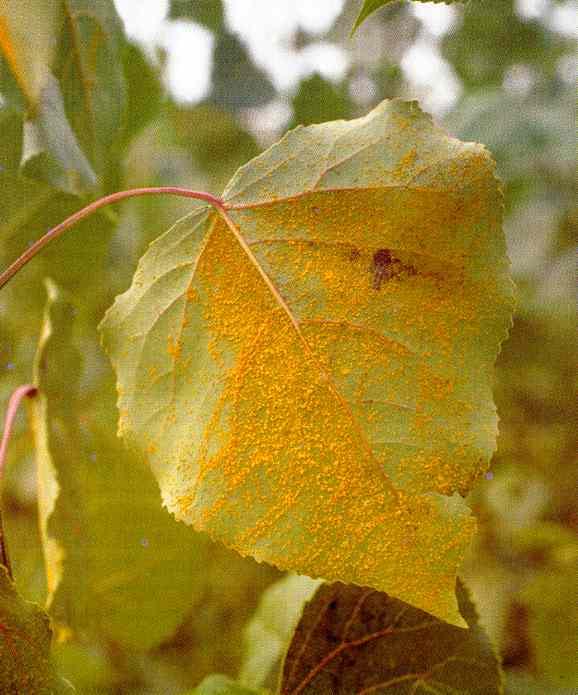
385 267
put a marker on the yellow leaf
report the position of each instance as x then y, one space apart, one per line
310 374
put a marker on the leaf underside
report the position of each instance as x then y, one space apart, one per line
356 640
310 379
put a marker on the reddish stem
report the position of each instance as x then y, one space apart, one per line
13 405
97 204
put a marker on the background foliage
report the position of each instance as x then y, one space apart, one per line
117 126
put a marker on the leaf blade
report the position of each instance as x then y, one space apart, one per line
352 639
272 358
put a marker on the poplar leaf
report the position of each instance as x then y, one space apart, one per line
310 378
356 640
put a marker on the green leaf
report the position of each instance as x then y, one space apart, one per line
206 12
319 100
91 73
371 6
25 635
117 564
268 634
50 150
233 70
221 685
311 381
351 639
28 36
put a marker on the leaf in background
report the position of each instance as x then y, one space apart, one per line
221 685
206 12
233 70
371 6
353 640
25 667
90 70
117 564
319 100
268 634
312 385
492 39
50 150
28 36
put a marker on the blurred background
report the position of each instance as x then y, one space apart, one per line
188 91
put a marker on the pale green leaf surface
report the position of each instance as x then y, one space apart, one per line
28 38
269 632
117 564
303 403
371 6
25 667
356 640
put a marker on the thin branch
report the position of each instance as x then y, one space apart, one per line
13 404
93 207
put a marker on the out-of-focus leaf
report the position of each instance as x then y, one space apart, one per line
117 564
28 37
352 640
319 100
311 382
268 634
493 37
25 666
553 623
530 136
371 6
145 93
90 70
233 70
50 150
206 12
221 685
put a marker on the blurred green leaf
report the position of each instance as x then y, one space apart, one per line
25 666
233 72
221 685
117 564
28 37
145 93
50 151
206 12
318 100
353 639
268 634
492 37
89 67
